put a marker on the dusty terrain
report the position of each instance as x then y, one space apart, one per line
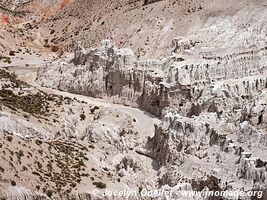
134 95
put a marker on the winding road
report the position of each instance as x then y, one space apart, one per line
26 66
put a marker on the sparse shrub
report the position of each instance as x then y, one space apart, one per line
85 174
55 48
105 168
39 165
84 148
50 166
24 168
140 189
38 142
9 138
40 151
93 109
2 169
13 183
73 185
82 116
12 53
52 31
93 169
79 164
100 185
35 173
49 193
20 154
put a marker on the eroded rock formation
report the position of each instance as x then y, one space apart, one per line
210 93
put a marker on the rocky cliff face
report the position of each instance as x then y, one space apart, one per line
210 93
112 73
58 147
188 85
198 66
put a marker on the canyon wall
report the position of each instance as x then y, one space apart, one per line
210 93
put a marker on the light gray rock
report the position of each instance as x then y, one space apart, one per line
210 93
22 128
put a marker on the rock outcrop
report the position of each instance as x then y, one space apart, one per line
22 128
210 94
111 73
196 78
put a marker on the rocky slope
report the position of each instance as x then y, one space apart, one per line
147 27
197 77
57 147
210 93
197 69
